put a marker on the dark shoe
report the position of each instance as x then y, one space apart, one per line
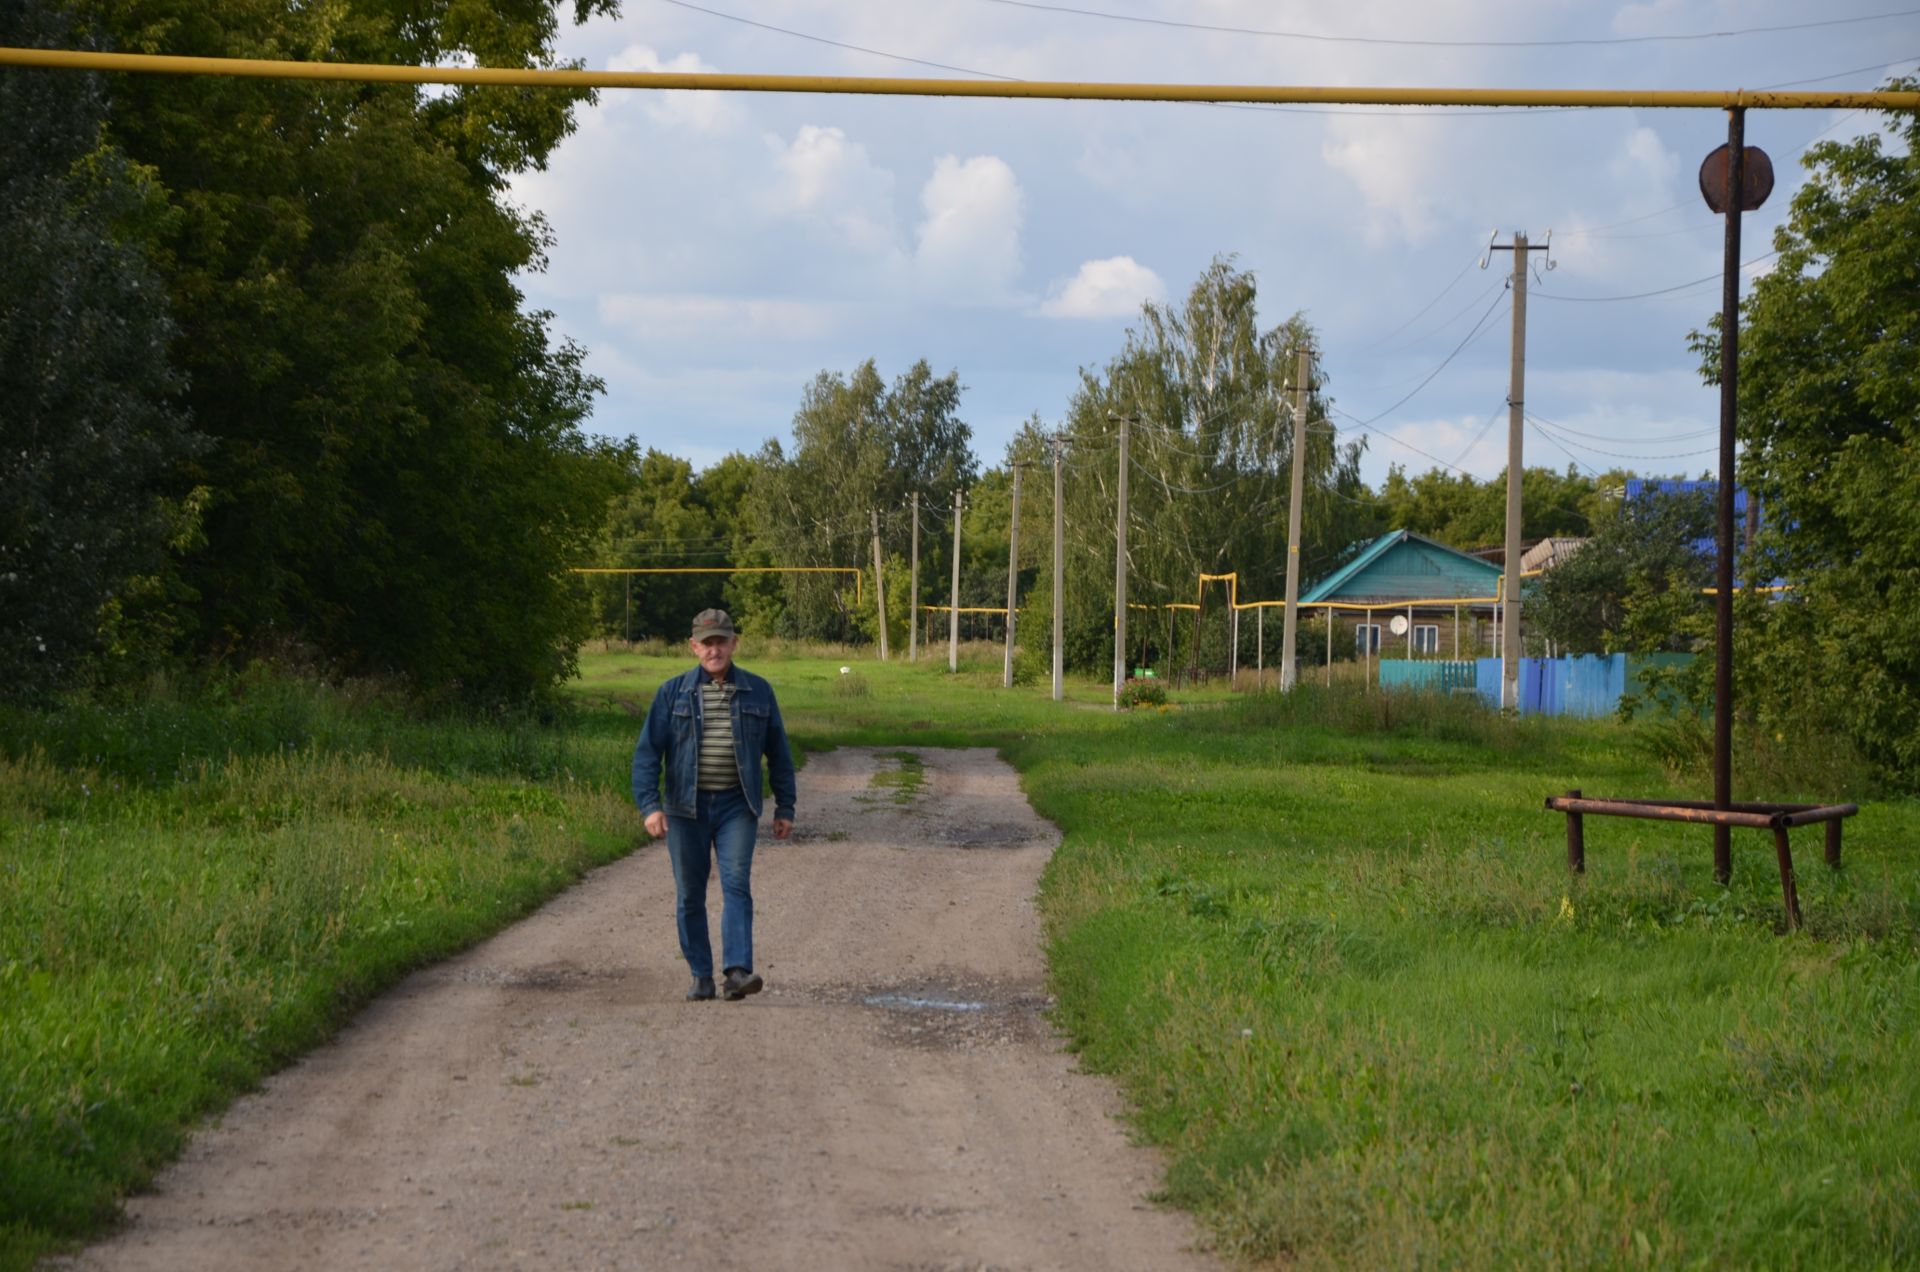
740 983
702 990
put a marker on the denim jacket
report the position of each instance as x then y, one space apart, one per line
670 739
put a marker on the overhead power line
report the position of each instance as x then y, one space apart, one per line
1453 113
1478 327
1577 42
838 44
1663 291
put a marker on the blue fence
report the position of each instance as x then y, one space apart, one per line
1581 685
1442 677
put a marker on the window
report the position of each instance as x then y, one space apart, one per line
1366 638
1426 638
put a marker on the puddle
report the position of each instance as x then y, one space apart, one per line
553 976
913 1002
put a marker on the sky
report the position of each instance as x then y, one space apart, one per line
715 252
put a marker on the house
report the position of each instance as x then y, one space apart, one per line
1407 575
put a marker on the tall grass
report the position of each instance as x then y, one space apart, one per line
194 889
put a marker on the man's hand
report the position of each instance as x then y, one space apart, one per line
782 827
657 825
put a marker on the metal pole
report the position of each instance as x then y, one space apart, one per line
1233 645
1120 572
879 583
1290 623
1013 572
1409 633
1723 567
629 609
1366 643
953 607
1328 612
1059 544
913 588
1260 642
1516 423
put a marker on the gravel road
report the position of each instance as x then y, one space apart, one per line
895 1099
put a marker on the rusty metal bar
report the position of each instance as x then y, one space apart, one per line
1828 813
1788 893
1723 503
1833 843
1662 812
1576 838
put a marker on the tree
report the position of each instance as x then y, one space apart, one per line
1635 587
86 392
1211 452
860 446
400 476
1463 512
1830 422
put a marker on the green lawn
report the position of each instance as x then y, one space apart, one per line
1327 944
1330 948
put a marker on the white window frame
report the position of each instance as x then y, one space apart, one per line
1429 643
1360 631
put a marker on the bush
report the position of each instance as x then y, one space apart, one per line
1143 693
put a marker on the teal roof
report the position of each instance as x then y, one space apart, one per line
1403 566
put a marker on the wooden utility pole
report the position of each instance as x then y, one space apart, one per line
913 588
1013 571
879 583
953 609
1516 424
1120 570
1290 624
1059 590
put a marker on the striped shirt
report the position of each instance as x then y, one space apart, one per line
719 766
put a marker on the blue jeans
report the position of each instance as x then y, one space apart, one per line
725 828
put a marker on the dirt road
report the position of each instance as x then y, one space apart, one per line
895 1099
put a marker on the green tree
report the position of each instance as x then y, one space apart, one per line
1635 586
1830 426
860 446
88 429
1211 449
1464 512
400 476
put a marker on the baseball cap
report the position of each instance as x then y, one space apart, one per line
712 622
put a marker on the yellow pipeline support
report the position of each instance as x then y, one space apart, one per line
1247 94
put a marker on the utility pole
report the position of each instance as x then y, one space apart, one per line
879 583
953 610
1059 591
1290 624
1013 570
913 588
1120 569
1516 423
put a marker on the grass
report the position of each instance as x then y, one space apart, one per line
1326 944
199 887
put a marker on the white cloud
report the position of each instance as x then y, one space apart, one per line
667 319
1110 288
969 241
1394 163
1643 161
698 110
823 176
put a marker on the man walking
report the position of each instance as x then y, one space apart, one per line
707 730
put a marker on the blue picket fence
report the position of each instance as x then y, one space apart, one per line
1580 685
